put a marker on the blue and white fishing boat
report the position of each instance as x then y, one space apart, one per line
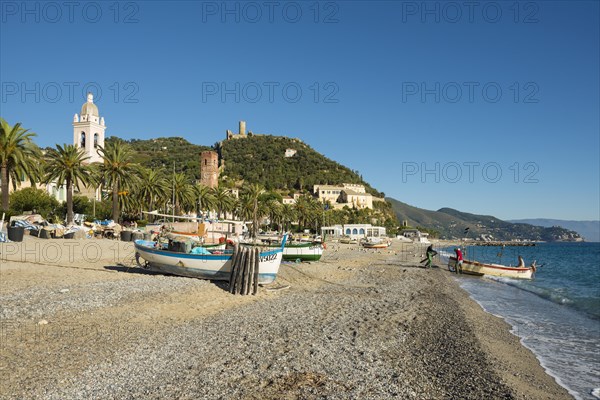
209 264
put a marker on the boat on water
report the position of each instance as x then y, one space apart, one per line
206 264
297 251
476 268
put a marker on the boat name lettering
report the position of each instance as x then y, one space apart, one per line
270 257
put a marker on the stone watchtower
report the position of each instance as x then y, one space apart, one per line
209 168
88 130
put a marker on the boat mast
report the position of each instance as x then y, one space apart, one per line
173 209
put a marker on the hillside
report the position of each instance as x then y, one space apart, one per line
163 152
256 159
262 159
452 223
590 230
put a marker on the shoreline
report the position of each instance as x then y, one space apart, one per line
357 324
546 369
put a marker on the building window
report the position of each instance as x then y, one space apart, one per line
362 231
82 140
95 140
348 231
354 231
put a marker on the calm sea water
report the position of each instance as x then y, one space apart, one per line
556 315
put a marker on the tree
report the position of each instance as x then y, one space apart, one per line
117 170
253 192
152 187
67 164
19 157
309 211
288 215
275 212
204 196
223 200
183 193
30 199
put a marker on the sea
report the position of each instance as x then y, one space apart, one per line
556 315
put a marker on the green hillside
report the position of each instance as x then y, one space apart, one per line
256 159
262 159
451 223
166 152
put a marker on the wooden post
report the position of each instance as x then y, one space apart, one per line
239 275
247 269
234 261
256 271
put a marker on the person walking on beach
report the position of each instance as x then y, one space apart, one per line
430 253
459 260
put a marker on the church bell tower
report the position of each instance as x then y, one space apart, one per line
88 130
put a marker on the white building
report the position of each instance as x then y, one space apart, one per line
290 153
352 195
355 231
355 199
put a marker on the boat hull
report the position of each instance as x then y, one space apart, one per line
477 268
204 266
302 251
375 245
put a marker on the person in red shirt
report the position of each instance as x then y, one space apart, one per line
459 260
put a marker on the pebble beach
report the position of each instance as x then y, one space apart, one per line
78 321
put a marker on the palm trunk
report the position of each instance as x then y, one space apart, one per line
254 220
69 201
4 187
115 201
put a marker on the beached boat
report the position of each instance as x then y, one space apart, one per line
348 240
214 265
297 251
375 243
195 238
477 268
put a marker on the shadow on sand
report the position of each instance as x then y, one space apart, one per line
141 271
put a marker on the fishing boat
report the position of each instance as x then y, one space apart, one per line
476 268
297 251
348 240
210 264
375 243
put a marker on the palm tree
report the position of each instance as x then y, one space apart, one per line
117 170
309 211
288 215
19 157
244 208
254 191
204 196
223 200
152 187
183 193
67 164
275 211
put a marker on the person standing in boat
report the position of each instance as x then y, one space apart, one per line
459 260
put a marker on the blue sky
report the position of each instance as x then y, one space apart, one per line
492 109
